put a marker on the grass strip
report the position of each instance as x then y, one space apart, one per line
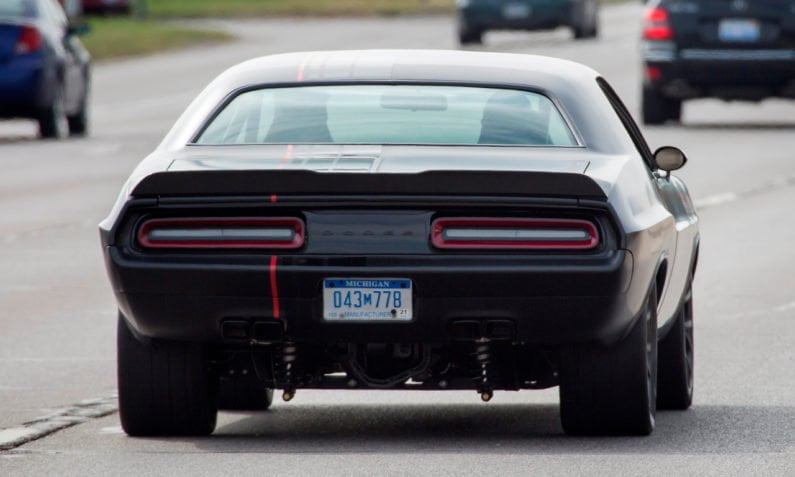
119 37
237 8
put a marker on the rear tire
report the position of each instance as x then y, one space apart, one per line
676 353
657 109
53 123
78 124
468 35
612 391
165 387
588 27
244 394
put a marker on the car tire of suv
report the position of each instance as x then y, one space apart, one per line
588 27
78 123
53 122
166 388
467 35
612 390
676 353
244 394
657 109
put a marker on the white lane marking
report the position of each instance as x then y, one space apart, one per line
15 436
761 188
715 200
765 311
57 420
111 430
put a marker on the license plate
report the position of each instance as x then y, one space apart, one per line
367 299
516 11
739 31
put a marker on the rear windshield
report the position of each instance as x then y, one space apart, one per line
16 9
389 114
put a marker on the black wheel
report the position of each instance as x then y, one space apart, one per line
467 34
588 24
675 378
657 109
53 123
674 110
612 391
165 388
78 124
246 393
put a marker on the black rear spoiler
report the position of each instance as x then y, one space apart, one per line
304 182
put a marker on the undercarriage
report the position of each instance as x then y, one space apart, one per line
482 364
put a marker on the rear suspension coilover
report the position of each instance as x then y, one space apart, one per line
482 357
288 358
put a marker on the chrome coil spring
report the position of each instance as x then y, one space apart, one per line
482 365
288 359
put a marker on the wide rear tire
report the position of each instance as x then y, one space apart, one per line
166 388
244 394
612 391
676 358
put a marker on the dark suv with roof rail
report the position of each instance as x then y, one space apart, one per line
727 49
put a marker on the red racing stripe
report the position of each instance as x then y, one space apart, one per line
301 69
286 158
274 288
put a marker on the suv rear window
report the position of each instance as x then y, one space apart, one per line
16 9
389 114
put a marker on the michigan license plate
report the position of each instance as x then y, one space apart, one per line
367 299
739 31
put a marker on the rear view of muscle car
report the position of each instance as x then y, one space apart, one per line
413 220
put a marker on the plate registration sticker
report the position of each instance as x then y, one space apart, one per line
367 299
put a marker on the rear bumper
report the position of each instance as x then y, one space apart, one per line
541 15
21 85
721 73
549 300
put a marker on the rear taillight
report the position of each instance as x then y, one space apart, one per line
222 233
656 25
510 233
29 40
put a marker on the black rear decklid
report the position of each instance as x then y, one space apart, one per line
303 182
720 23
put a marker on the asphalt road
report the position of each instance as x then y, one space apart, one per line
57 315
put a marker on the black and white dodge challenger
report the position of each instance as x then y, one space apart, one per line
420 220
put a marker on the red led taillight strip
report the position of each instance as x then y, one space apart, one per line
222 233
514 233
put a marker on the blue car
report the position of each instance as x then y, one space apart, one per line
475 17
44 68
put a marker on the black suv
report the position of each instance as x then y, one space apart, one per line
728 49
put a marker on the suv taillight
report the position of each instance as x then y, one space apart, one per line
29 40
656 25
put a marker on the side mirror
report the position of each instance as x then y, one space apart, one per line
669 158
79 29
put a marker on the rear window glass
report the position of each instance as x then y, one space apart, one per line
16 9
389 114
